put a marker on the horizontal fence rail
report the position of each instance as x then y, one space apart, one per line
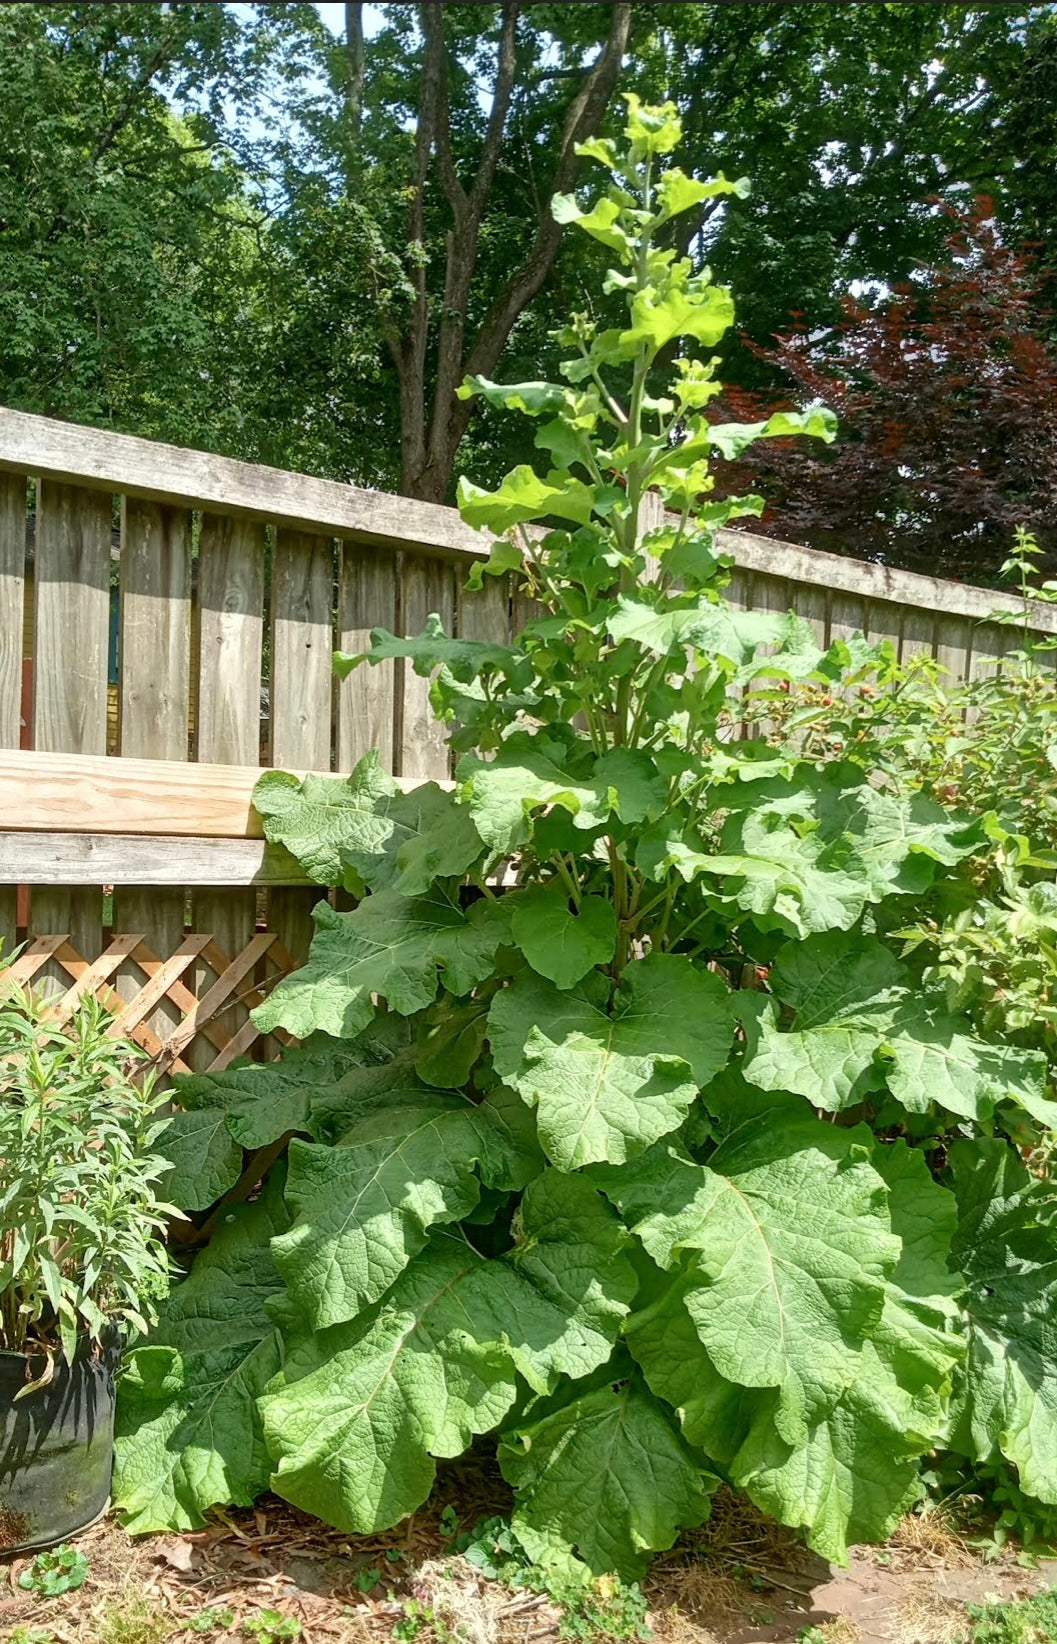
167 619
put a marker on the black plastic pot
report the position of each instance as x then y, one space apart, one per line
56 1448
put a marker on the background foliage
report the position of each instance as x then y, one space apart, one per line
228 227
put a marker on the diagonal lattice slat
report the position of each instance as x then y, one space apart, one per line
199 979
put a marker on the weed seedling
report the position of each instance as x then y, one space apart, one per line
214 1619
271 1627
62 1570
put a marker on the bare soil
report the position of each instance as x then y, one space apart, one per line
738 1580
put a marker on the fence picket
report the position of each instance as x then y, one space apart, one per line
12 597
426 586
302 646
231 630
154 699
71 632
367 698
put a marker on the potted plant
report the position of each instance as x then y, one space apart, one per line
81 1255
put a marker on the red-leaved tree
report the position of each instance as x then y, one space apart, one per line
946 393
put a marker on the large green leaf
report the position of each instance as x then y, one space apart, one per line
860 1022
787 1241
854 1471
605 1472
785 879
528 773
248 1105
711 626
608 1076
524 496
363 1208
359 1411
464 659
561 942
188 1432
427 836
398 947
1006 1245
315 818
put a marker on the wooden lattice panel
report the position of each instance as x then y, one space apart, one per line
209 994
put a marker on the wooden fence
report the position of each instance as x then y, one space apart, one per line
167 617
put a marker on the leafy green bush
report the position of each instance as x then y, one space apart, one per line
987 743
80 1219
620 1126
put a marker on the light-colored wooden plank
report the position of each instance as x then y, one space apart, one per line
95 974
122 463
847 616
143 861
12 618
485 615
167 971
769 593
812 605
231 556
302 650
919 635
199 479
155 692
301 691
23 971
870 581
155 630
366 699
953 649
738 593
71 793
426 588
12 594
990 642
884 621
212 1003
71 638
72 618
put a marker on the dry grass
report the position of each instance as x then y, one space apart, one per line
930 1618
930 1539
840 1630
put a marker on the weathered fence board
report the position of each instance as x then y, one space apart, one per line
425 586
12 597
206 622
154 710
300 692
366 700
71 641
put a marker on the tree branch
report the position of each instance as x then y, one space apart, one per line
432 21
582 119
355 66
